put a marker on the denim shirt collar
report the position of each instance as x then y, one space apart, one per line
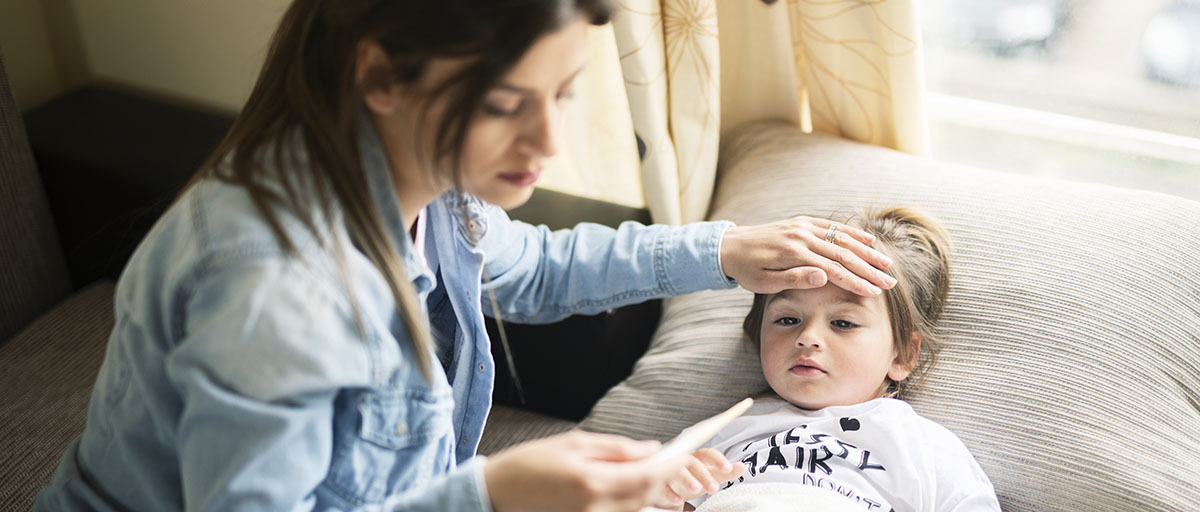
383 195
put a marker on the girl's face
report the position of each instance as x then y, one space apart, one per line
520 125
827 346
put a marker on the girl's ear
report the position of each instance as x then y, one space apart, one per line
373 74
902 366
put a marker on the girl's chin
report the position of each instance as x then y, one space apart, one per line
808 405
811 399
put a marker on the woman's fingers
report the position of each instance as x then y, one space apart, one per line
843 238
843 278
578 471
849 264
848 269
613 448
795 253
853 239
821 262
858 234
796 277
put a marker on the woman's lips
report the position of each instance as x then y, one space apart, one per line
521 178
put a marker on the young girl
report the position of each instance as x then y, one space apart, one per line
303 328
836 431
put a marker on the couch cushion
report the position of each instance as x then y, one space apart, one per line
46 376
34 275
1072 364
507 426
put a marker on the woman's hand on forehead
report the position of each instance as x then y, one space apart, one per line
804 252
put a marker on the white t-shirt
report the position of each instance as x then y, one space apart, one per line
879 453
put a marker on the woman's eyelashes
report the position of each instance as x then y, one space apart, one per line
495 110
511 109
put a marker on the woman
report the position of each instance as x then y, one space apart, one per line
274 345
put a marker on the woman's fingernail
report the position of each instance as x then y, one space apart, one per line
891 281
814 279
875 290
726 467
695 486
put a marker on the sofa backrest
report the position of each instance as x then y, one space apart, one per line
1071 367
33 275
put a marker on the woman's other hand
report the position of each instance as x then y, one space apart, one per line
578 471
705 472
794 253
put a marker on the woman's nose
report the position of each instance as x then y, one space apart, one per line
543 135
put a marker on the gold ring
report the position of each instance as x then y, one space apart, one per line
831 235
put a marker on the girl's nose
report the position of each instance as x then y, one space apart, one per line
810 336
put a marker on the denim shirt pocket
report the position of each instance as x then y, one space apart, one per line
403 439
396 422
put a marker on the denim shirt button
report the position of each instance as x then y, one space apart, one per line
401 428
480 367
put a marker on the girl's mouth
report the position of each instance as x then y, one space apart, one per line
807 367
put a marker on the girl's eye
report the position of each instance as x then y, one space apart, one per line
842 324
788 320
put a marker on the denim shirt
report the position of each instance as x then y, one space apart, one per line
237 377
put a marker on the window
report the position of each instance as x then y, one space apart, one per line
1091 90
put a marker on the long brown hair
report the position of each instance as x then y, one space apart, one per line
306 94
920 252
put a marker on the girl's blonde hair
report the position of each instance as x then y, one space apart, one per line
920 252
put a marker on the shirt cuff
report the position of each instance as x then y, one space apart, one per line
731 282
481 490
688 258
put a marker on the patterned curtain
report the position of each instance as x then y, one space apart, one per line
852 68
847 67
671 63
